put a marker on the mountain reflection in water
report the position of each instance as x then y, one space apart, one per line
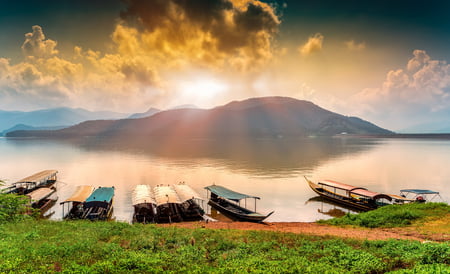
260 157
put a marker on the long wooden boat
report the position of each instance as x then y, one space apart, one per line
98 206
42 198
190 199
45 178
168 205
144 205
75 202
356 197
225 201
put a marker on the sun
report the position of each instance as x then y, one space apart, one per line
201 89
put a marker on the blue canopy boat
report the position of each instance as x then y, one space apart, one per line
98 206
225 201
420 195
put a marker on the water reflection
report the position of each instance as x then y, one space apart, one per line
260 157
330 208
270 169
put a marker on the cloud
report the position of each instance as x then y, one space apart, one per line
352 45
409 95
214 33
313 45
36 45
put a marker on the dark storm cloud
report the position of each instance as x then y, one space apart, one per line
234 24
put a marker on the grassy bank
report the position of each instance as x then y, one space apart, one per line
432 216
113 247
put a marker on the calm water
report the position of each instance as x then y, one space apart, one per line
271 169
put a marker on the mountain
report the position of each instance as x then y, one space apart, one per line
252 118
148 113
26 127
53 117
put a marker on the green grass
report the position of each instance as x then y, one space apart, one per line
394 215
37 246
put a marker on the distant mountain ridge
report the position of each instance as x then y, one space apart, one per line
252 118
53 117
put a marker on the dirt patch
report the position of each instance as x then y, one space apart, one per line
312 229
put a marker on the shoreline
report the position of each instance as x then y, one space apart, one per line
316 229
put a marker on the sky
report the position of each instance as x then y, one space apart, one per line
383 61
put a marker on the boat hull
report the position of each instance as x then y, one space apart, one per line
236 212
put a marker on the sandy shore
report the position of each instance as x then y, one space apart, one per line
311 229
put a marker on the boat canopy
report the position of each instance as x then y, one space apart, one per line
165 195
39 177
101 194
361 191
370 194
419 191
340 185
186 193
40 194
228 193
80 195
142 195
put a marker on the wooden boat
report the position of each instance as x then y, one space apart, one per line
356 197
144 205
225 201
45 178
75 202
42 198
98 206
190 199
168 205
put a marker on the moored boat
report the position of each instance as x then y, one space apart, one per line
420 195
45 178
356 197
144 204
226 202
190 199
168 204
42 198
98 206
75 202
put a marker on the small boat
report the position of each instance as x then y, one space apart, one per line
168 205
226 202
98 206
76 202
420 195
190 208
45 178
356 197
144 205
42 198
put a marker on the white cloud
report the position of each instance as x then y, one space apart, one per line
417 93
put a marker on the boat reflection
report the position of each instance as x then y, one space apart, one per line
329 208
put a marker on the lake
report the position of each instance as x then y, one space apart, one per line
270 169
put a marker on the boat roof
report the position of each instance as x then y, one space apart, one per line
361 191
80 195
371 194
40 193
340 185
101 194
419 191
228 193
142 194
38 177
185 192
165 195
